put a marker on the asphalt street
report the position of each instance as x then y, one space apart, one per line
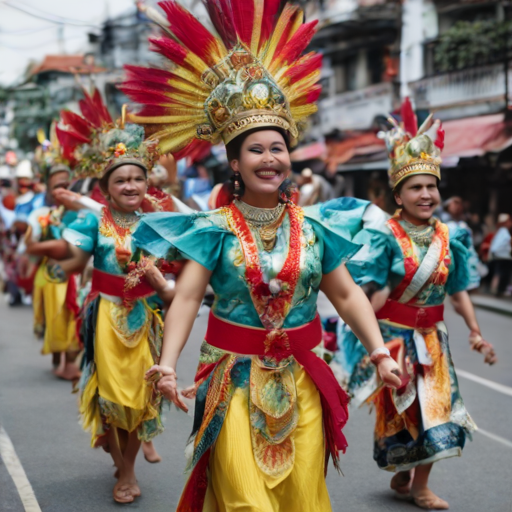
38 414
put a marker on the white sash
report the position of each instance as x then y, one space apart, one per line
425 270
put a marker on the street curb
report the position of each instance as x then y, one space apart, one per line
491 304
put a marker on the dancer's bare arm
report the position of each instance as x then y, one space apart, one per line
464 307
76 263
179 320
354 307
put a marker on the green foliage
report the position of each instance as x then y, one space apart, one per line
469 44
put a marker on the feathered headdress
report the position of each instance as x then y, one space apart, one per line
215 88
49 156
98 143
413 150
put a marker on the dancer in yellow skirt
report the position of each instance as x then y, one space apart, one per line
54 297
268 410
122 326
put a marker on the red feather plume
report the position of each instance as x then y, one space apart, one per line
191 33
409 118
305 66
439 142
298 43
243 18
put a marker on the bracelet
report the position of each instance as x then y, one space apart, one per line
170 285
379 354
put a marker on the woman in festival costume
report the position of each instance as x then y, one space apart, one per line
54 297
420 261
122 326
268 410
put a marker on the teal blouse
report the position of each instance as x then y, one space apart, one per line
205 238
84 233
381 261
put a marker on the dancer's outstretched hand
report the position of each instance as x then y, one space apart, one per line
389 372
189 392
167 383
484 347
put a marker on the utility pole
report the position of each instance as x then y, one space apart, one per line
506 60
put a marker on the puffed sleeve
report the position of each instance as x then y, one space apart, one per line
373 262
83 232
198 236
459 275
335 224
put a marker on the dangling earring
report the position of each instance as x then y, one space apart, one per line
236 185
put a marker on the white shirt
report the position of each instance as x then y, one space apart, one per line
500 245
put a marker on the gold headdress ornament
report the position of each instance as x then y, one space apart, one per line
99 144
215 88
50 156
411 150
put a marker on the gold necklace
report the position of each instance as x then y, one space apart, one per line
420 235
124 220
265 221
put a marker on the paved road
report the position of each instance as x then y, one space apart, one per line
39 415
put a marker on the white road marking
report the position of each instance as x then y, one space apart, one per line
506 390
15 469
494 437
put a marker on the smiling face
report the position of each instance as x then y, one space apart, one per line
126 187
263 163
418 197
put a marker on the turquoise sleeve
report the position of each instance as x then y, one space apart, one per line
459 275
197 236
335 224
83 232
373 262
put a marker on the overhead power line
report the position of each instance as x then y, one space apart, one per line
47 16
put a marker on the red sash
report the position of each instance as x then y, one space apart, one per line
297 342
110 284
416 317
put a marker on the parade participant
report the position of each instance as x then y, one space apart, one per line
22 270
414 255
122 326
54 297
268 410
453 217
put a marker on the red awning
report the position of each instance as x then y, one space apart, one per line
475 136
362 144
308 152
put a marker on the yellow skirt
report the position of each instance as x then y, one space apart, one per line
118 377
235 481
51 313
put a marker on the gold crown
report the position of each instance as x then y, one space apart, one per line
251 76
411 150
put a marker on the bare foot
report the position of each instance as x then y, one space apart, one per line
126 488
150 453
427 500
69 372
122 493
402 482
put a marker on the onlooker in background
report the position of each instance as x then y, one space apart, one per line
313 188
500 253
454 217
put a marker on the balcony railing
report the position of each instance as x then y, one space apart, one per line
355 110
482 85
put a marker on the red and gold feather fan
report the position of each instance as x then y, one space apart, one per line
215 87
99 144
